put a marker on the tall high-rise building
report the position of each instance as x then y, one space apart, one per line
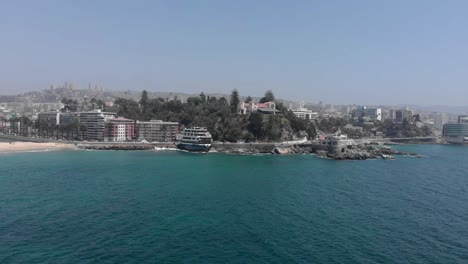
375 114
95 123
439 120
403 114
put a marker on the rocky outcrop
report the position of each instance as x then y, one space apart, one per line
260 148
295 149
354 152
364 152
243 148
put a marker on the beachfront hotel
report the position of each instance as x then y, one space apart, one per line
119 129
157 131
95 123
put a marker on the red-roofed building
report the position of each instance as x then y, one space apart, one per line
250 107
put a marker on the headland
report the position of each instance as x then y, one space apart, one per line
361 151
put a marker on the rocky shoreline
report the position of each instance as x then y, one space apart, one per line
364 152
354 152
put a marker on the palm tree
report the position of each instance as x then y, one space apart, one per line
57 127
75 126
25 125
83 129
37 127
50 127
14 125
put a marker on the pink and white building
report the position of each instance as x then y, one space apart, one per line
119 129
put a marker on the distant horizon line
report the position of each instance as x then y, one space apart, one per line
244 96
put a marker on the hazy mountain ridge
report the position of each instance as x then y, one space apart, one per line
55 95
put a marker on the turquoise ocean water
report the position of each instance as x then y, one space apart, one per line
175 207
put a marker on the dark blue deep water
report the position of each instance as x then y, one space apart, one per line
174 207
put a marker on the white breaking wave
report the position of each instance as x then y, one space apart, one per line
164 149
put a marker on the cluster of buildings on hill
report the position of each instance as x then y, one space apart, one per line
106 126
369 114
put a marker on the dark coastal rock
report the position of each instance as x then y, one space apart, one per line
355 156
363 152
282 151
352 152
291 150
321 153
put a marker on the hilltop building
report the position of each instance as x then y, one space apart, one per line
304 113
374 114
252 106
398 115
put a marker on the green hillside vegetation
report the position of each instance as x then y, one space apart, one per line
220 116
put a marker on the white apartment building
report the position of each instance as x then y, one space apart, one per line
374 114
95 123
304 113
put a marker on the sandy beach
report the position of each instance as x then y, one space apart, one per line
31 146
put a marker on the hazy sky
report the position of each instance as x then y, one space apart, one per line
363 52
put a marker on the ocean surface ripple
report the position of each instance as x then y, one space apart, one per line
175 207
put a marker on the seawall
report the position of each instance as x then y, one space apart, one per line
124 145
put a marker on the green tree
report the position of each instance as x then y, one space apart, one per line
255 125
202 97
268 97
194 100
93 102
234 101
101 104
311 130
144 101
222 101
70 105
129 109
83 129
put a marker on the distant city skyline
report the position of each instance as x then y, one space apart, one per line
356 52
